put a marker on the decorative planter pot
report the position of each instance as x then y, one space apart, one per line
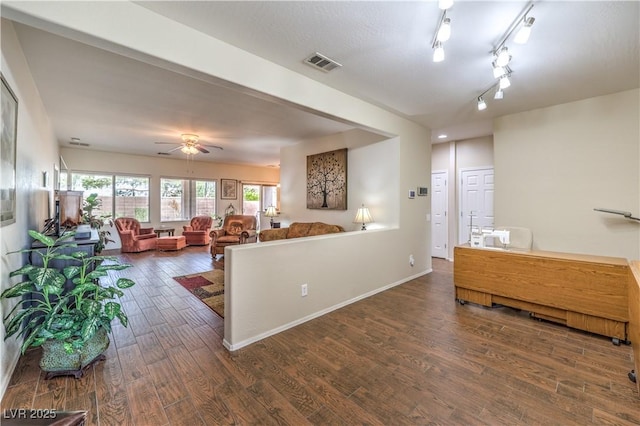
56 361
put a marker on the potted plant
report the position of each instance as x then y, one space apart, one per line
68 312
96 222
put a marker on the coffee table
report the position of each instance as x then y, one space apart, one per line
160 231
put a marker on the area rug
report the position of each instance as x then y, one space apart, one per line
208 287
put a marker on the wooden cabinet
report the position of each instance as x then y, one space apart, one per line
585 292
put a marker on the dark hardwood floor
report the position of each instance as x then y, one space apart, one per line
410 355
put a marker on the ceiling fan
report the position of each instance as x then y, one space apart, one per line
190 145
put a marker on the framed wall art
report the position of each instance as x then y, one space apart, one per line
8 148
327 180
228 189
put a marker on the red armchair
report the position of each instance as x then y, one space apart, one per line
236 229
197 233
135 239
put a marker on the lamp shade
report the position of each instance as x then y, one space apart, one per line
363 216
271 212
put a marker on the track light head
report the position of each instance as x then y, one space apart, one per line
438 52
502 57
444 33
504 82
498 71
445 4
499 94
522 36
481 104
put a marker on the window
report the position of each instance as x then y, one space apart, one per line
181 199
120 196
92 183
256 197
132 197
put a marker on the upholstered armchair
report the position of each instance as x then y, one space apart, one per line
197 232
236 229
134 238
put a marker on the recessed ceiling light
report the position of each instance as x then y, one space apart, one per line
442 136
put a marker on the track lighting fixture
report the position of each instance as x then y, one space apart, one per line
438 52
442 34
445 4
522 36
499 94
481 104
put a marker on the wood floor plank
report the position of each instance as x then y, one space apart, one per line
132 363
168 384
144 402
183 413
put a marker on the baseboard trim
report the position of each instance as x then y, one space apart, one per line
280 329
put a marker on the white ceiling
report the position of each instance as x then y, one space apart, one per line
577 50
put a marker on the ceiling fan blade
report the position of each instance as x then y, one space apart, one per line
212 146
201 149
174 149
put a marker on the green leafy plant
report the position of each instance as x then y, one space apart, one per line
217 221
72 315
97 222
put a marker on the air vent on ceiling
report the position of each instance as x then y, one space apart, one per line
321 62
163 153
78 143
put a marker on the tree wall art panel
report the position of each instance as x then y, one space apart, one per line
327 180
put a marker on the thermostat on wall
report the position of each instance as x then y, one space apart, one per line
423 190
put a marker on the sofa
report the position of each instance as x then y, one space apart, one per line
299 230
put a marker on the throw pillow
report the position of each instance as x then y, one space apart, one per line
235 228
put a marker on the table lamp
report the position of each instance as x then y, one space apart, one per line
363 216
271 213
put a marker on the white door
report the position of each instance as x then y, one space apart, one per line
476 201
439 203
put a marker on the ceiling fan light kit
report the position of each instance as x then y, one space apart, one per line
189 145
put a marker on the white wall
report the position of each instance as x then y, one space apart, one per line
370 181
339 269
83 160
37 151
555 165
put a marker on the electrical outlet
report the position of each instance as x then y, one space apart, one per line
412 261
303 290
